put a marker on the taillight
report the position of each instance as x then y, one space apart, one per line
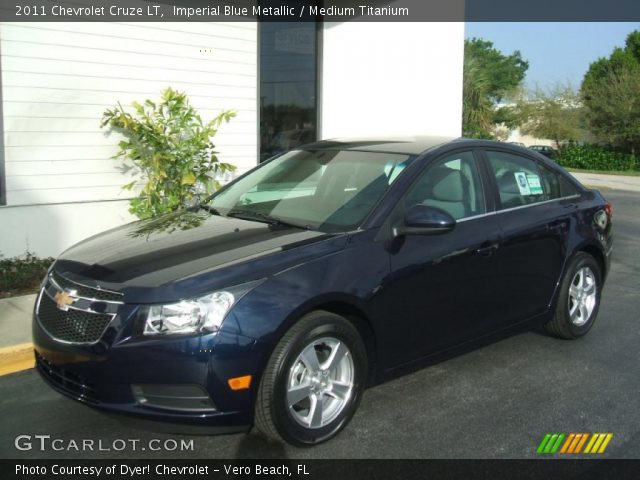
603 217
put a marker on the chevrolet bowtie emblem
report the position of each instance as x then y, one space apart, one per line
64 299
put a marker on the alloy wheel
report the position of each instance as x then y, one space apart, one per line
582 296
320 382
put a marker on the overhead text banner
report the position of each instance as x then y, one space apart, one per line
319 10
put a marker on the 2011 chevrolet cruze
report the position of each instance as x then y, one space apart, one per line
329 268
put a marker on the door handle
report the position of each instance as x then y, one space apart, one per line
557 228
488 250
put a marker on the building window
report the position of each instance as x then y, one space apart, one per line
288 86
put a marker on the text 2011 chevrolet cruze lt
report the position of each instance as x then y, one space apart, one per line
327 269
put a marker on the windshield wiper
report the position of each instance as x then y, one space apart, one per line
208 208
263 217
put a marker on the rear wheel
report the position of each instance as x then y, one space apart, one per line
579 298
313 382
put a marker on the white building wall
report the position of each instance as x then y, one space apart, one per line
58 78
392 79
528 140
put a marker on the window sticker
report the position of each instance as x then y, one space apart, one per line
534 184
523 184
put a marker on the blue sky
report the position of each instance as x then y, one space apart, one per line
557 52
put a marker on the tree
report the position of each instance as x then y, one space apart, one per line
613 108
555 114
489 76
170 146
611 95
619 60
477 109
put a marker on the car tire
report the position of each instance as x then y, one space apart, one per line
579 298
313 382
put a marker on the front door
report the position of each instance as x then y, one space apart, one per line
442 286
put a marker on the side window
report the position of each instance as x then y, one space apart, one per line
518 179
451 183
555 184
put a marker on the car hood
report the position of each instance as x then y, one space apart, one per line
188 253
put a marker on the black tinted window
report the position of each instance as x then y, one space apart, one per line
518 178
555 184
288 86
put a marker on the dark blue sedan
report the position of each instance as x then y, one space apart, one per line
318 273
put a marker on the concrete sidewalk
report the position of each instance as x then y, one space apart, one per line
616 182
15 320
16 350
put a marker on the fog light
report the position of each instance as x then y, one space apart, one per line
173 397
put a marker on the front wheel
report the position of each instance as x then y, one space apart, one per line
313 382
579 298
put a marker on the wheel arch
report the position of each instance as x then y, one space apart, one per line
586 247
559 323
359 319
348 308
596 253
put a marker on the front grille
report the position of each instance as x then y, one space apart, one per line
73 326
85 291
70 382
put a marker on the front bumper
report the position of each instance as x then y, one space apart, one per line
114 373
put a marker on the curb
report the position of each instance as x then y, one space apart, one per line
16 358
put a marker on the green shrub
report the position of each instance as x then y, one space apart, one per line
22 275
595 157
170 147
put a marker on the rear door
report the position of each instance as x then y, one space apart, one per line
534 219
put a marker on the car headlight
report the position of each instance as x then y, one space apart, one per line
199 315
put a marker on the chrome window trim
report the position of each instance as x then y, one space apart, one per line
520 207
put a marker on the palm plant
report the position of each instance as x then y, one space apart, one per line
478 112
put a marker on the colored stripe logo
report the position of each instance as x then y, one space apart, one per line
569 443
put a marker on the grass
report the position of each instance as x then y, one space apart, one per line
22 275
630 173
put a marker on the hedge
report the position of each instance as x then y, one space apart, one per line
595 157
22 275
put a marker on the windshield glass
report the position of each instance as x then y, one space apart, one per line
329 191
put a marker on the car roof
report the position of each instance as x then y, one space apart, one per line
410 145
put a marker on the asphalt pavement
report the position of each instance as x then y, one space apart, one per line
495 402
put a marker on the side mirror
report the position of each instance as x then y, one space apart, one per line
425 220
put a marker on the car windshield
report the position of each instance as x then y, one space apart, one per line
327 190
